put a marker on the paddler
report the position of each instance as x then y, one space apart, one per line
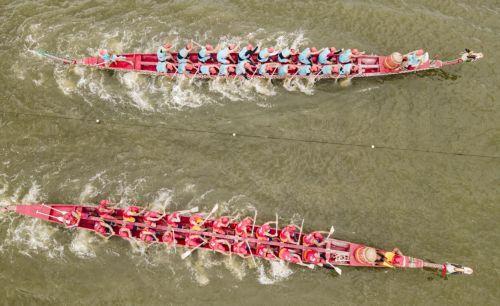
287 255
241 248
71 219
129 215
285 69
206 52
168 237
125 232
243 68
313 239
183 54
265 251
208 69
184 68
219 245
330 69
196 222
243 227
103 229
221 224
152 217
174 219
224 55
348 69
226 70
265 54
267 69
264 231
110 58
246 53
311 256
194 240
104 210
305 70
163 53
148 235
305 57
325 56
287 234
390 259
284 56
346 56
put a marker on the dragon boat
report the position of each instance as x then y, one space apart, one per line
231 237
365 65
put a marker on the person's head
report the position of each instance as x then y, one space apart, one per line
230 69
269 68
189 67
313 49
209 47
170 66
250 47
419 52
270 50
333 49
354 68
335 69
103 52
315 68
189 46
212 70
231 46
318 236
247 66
285 52
167 46
355 51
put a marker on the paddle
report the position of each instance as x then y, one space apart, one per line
330 233
300 233
60 219
251 254
214 209
337 269
190 251
59 211
254 219
194 42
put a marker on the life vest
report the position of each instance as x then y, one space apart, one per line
345 57
240 68
287 233
324 56
161 54
223 70
161 67
283 56
127 214
326 70
345 69
388 259
262 69
181 68
183 54
262 233
311 256
241 228
304 56
263 56
304 70
242 55
203 56
283 70
195 222
222 56
173 219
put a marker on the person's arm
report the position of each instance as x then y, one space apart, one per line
397 251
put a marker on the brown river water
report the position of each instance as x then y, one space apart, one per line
430 186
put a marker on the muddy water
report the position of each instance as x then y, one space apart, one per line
169 144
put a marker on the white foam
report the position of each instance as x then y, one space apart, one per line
163 200
83 245
279 271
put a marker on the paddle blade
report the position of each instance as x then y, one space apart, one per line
337 269
186 254
194 209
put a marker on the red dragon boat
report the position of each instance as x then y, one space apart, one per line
191 230
366 65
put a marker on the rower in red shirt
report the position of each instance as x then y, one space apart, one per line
220 225
219 245
242 228
168 237
125 232
103 229
241 249
194 240
196 222
148 235
287 234
152 217
105 211
287 255
311 256
130 214
264 232
71 219
313 239
174 219
265 251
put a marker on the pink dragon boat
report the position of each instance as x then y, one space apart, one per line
365 65
191 230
